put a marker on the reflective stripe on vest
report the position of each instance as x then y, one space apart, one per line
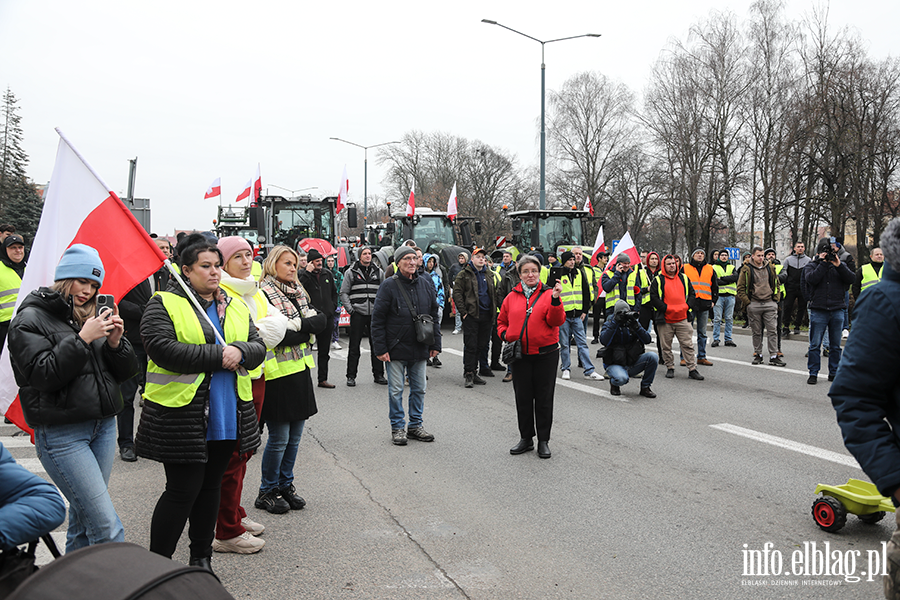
612 296
9 292
259 302
869 276
287 360
778 284
701 280
730 288
175 390
571 294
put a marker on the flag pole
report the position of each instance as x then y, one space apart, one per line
190 294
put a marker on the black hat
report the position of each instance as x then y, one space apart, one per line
566 256
13 239
313 255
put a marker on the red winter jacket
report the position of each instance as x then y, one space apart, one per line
542 333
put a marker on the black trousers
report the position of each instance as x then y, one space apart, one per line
192 492
789 299
130 387
476 337
496 343
534 382
599 309
323 342
360 327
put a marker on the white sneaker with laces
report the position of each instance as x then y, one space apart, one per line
594 376
845 334
566 375
242 544
455 331
252 526
335 346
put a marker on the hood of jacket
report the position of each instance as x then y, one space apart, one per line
437 262
662 269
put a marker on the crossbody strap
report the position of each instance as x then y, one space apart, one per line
405 296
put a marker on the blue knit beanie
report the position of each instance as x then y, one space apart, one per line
80 262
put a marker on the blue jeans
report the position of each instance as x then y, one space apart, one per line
78 457
724 308
819 322
701 321
280 454
415 370
458 326
574 327
647 362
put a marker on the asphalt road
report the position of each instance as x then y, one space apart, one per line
643 498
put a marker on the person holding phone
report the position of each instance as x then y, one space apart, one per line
68 363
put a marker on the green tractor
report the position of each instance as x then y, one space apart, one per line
545 231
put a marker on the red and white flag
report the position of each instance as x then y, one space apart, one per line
257 185
343 193
452 209
589 207
625 246
411 203
215 189
80 209
599 247
246 193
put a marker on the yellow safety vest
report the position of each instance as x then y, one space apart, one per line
660 286
256 270
9 292
175 390
259 304
779 285
571 293
545 273
591 277
869 278
612 296
730 288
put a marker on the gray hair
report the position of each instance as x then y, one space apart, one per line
890 243
527 259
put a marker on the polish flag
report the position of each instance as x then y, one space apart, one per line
625 246
589 207
246 193
80 209
599 247
343 193
452 210
215 189
411 203
257 185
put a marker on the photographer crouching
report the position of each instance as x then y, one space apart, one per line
623 354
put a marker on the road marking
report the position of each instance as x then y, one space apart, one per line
744 362
841 459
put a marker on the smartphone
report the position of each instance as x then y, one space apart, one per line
104 302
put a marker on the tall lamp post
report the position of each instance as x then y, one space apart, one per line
365 172
543 77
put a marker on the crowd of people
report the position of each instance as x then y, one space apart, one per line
224 351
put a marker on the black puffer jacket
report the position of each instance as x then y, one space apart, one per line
178 435
61 378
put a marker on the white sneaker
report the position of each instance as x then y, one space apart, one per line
242 544
845 334
566 375
594 375
335 346
455 331
252 526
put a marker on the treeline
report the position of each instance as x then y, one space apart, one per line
20 202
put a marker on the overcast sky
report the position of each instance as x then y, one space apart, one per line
199 90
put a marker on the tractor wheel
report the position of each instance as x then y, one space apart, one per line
872 518
829 513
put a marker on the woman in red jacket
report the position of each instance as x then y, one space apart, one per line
534 376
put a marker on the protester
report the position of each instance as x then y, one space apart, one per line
771 257
590 275
623 283
534 375
395 343
433 271
235 531
12 269
508 282
672 296
793 265
68 362
576 299
723 311
29 506
331 263
192 427
825 279
358 290
462 260
706 292
758 289
599 309
473 293
5 230
742 310
319 285
865 390
131 309
869 274
290 396
623 340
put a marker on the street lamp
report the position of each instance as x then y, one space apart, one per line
543 69
365 172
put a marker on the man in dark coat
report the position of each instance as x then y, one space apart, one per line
394 342
323 295
131 309
866 389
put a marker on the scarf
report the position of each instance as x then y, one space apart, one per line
281 294
528 290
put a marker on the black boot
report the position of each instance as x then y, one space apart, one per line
524 445
204 562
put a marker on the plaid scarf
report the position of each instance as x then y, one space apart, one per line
280 295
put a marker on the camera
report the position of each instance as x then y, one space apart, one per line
625 316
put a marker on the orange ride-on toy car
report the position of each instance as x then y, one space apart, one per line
858 497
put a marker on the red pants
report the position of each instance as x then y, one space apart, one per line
228 524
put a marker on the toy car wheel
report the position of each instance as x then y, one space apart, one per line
829 513
872 518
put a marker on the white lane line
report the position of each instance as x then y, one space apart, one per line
841 459
748 363
19 441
